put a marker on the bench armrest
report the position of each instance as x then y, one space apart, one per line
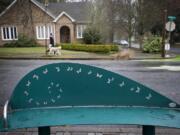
5 112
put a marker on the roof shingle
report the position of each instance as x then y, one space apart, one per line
77 10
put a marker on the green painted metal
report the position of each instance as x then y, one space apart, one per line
44 131
148 130
68 84
172 18
70 94
30 118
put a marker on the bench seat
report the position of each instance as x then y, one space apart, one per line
31 118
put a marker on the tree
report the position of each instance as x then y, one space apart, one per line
127 18
149 16
102 17
4 4
91 36
114 16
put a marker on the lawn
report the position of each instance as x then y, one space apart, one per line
14 51
39 52
177 58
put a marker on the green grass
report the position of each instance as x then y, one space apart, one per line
39 52
22 50
177 58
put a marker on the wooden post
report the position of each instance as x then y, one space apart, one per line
148 130
44 131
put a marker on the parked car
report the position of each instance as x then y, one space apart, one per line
121 42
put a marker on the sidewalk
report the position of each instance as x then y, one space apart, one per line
96 130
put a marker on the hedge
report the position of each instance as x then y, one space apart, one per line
90 48
23 41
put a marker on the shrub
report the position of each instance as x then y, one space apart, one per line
114 48
152 45
23 41
91 36
90 48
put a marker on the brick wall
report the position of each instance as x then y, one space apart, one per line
65 21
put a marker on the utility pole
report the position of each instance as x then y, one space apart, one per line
164 34
46 34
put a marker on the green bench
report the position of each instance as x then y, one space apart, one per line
76 94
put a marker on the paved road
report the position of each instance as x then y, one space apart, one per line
162 76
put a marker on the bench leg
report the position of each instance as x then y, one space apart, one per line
44 131
148 130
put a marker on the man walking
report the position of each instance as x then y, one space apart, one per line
51 40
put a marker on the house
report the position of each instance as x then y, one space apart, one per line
66 21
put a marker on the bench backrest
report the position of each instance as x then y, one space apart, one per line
68 84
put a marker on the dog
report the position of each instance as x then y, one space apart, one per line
54 50
125 54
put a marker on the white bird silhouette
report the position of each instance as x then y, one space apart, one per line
57 85
58 69
53 100
109 81
90 72
28 84
99 75
45 71
149 96
138 90
122 84
79 71
60 90
36 77
70 69
30 100
26 93
52 83
59 96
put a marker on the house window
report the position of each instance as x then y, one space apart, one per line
43 32
9 33
80 30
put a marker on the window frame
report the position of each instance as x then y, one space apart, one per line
80 28
9 33
43 31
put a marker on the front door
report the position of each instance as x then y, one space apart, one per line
65 34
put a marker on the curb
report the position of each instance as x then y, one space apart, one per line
100 58
20 58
